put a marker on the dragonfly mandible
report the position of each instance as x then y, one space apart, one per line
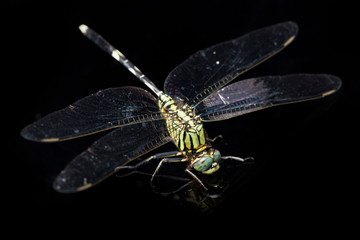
195 92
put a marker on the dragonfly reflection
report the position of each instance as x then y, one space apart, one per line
196 91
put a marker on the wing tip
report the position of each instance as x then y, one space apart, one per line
336 83
329 92
62 185
289 40
28 134
293 30
32 135
293 26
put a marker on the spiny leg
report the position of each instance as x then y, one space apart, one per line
147 160
177 160
212 140
196 178
168 160
237 158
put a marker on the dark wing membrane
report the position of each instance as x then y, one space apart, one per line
211 69
111 151
258 93
113 107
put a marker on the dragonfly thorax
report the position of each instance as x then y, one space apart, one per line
183 125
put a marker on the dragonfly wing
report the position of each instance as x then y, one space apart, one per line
258 93
210 69
110 108
115 149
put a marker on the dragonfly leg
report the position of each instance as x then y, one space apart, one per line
196 178
166 160
237 158
220 137
174 160
156 156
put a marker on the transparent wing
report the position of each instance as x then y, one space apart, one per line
110 108
258 93
211 69
113 150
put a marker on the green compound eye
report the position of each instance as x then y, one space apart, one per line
203 164
217 156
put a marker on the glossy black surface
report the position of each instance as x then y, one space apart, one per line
133 110
309 150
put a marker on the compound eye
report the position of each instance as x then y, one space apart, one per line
217 156
203 164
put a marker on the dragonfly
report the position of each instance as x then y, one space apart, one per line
195 92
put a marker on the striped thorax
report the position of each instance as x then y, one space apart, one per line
184 126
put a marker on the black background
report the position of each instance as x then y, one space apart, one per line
309 149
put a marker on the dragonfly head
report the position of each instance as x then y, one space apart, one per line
207 162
